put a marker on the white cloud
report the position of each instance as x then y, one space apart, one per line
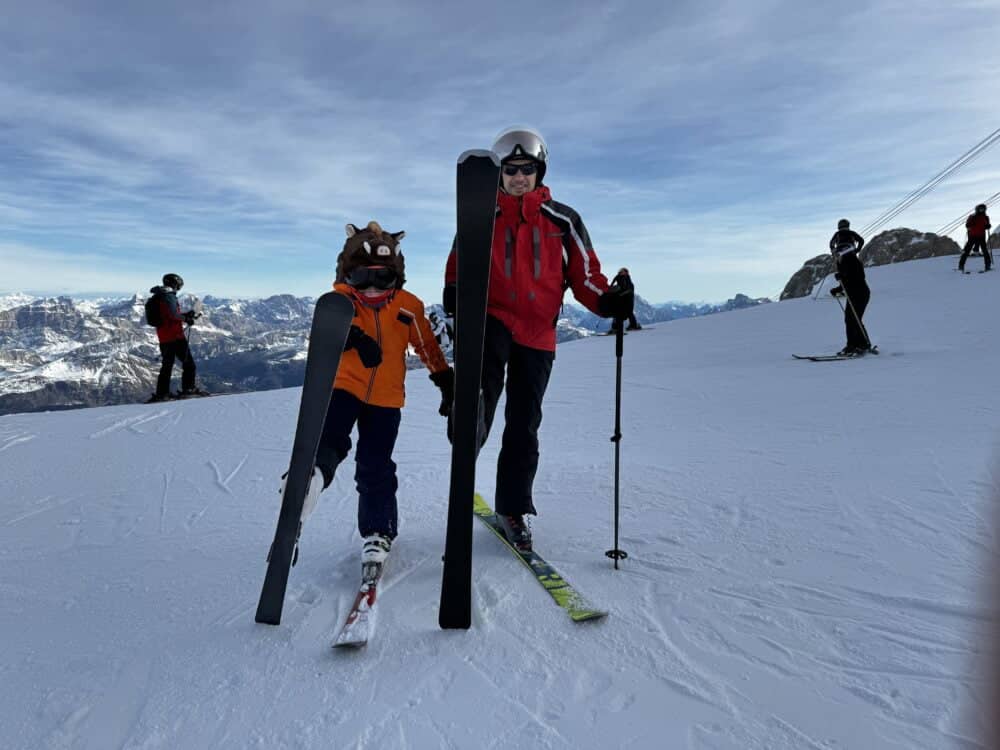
716 143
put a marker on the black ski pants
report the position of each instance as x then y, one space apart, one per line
526 372
970 246
375 471
852 278
172 351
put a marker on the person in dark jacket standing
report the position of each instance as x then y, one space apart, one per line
173 342
977 226
845 246
624 281
540 249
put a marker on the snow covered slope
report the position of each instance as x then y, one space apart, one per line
807 552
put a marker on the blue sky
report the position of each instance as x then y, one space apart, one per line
711 146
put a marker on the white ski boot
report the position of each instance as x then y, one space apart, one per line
308 504
374 553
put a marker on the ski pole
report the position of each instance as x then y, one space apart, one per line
854 312
822 282
617 554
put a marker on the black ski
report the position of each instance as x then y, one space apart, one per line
477 183
823 357
835 357
331 322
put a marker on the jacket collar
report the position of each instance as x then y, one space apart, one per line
528 206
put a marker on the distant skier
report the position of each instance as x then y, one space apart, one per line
977 226
163 311
845 246
540 248
624 281
368 391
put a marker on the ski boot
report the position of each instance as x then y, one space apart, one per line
192 393
157 399
517 531
374 553
316 486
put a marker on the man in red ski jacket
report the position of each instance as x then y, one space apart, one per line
977 226
540 249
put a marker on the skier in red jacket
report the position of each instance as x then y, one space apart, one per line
977 225
540 249
173 342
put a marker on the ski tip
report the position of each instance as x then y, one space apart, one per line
349 645
480 153
588 615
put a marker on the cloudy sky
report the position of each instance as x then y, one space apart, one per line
710 145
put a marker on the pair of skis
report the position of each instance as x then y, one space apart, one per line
359 625
834 357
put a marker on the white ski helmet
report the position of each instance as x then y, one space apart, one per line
522 143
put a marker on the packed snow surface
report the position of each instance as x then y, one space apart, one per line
807 555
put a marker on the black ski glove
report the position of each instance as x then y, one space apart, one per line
189 317
367 347
616 303
445 380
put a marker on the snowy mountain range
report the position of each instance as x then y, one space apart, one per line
64 353
809 554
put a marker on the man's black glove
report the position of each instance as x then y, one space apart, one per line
448 300
616 303
445 380
189 317
367 347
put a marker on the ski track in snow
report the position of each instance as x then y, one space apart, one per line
807 544
10 442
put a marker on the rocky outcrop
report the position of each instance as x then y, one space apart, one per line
893 246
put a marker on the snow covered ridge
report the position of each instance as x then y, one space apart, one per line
808 555
65 353
892 246
61 353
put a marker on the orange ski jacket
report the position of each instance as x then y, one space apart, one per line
399 324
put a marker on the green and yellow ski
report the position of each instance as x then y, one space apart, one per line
564 595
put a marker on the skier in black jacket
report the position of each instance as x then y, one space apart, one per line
845 246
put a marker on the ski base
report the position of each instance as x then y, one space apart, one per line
559 589
360 622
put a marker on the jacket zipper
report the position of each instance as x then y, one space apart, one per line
378 339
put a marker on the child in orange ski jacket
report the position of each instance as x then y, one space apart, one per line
368 390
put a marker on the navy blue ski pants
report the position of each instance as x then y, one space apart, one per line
375 471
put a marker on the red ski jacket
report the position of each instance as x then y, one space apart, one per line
170 314
540 248
977 224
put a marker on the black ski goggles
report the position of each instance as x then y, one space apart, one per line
366 277
526 169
